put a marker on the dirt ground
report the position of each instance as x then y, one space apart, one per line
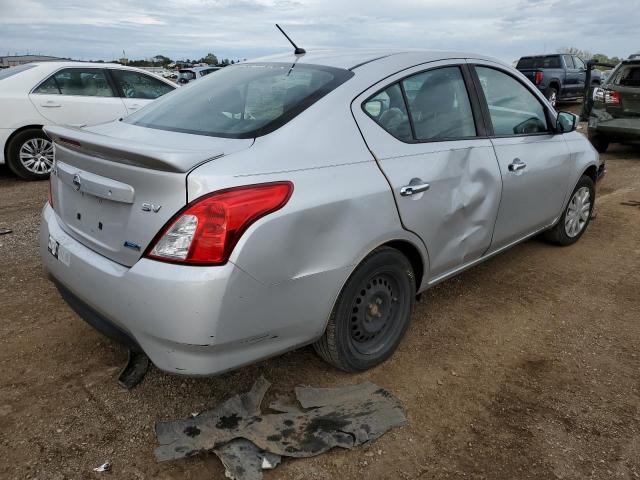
524 367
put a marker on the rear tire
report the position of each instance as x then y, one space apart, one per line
600 143
372 312
576 216
30 154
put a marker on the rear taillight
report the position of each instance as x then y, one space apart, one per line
538 77
598 94
206 231
611 97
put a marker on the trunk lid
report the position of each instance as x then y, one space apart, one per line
114 186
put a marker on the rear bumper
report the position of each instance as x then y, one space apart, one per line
614 128
188 320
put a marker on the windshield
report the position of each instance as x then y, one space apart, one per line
9 72
242 101
549 61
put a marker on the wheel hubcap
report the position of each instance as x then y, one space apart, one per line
552 99
578 212
373 312
36 155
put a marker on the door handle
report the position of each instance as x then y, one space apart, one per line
412 189
135 106
50 104
516 165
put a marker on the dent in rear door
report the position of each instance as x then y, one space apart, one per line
455 217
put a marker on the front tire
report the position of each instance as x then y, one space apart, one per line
30 154
371 314
576 215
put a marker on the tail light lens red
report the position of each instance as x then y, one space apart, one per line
538 77
206 231
611 97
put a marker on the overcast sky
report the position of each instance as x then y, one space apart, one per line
245 28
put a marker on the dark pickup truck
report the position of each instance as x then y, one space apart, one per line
560 77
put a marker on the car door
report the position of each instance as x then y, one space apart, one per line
572 77
138 89
427 137
535 162
77 97
581 70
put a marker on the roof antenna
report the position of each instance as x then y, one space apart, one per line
298 50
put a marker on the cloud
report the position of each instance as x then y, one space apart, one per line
245 28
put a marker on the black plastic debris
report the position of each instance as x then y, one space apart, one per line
5 231
247 441
135 369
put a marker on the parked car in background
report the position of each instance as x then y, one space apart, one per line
634 56
186 75
615 116
268 207
64 93
560 77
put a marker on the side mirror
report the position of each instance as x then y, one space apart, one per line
373 108
566 122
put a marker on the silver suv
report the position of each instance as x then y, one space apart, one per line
305 199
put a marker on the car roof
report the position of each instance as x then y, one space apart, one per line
56 64
197 69
353 58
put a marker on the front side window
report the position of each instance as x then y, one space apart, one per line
139 85
577 61
387 109
513 109
88 82
439 105
242 101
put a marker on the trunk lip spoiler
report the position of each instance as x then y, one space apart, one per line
128 152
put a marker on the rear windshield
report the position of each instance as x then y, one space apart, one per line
549 61
187 74
242 101
627 75
11 71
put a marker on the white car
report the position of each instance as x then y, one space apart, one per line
75 94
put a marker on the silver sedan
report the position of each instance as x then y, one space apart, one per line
306 199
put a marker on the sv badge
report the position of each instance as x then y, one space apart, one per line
150 207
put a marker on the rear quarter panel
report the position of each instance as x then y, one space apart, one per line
341 209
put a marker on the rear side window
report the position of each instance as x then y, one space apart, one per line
439 105
87 82
549 61
513 109
388 109
242 101
139 85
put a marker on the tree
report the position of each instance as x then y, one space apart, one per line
210 59
583 54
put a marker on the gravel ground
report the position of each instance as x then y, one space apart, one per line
523 367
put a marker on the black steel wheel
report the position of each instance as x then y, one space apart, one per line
371 314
